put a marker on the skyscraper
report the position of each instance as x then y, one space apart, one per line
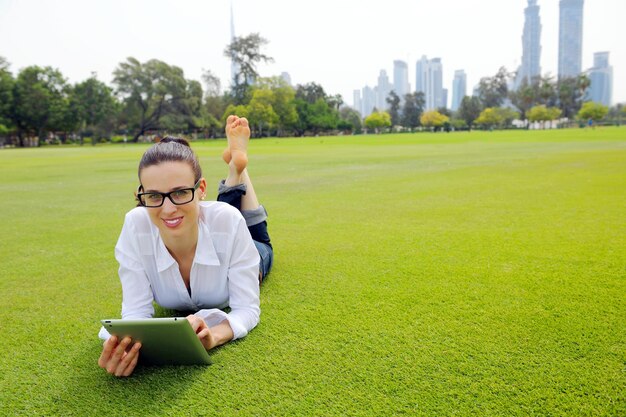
368 101
401 84
459 89
531 45
429 80
234 68
356 101
601 77
286 77
570 37
382 90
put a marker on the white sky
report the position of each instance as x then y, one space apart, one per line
340 44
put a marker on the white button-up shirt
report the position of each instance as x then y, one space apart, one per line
224 273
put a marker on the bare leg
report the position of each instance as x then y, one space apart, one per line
236 156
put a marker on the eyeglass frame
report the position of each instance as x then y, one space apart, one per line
168 195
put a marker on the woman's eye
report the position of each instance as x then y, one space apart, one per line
153 197
181 194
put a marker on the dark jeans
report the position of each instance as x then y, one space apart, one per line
256 222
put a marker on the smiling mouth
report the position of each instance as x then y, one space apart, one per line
173 222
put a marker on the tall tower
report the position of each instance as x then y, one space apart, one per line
383 90
601 77
401 84
439 96
459 89
531 45
570 37
429 80
234 67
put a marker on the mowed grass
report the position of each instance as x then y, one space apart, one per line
429 274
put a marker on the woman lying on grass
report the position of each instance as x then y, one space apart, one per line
191 255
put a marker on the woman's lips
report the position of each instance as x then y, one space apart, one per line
172 223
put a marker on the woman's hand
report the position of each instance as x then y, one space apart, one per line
202 330
119 359
213 336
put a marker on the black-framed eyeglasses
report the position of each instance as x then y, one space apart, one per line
177 197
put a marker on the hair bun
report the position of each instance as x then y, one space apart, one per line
169 139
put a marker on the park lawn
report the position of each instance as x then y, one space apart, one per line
478 273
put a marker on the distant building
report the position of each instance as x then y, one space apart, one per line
570 37
368 101
286 77
356 101
382 90
401 84
234 67
531 46
429 80
459 89
601 77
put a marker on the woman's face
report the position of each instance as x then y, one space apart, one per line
174 221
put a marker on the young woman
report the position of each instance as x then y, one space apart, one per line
191 255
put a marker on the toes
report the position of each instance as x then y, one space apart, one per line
231 119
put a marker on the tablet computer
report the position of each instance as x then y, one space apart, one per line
164 341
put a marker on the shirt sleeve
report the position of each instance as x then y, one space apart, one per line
137 294
243 286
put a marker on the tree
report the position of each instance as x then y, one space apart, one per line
310 92
592 111
492 91
524 97
394 107
489 118
245 52
41 103
378 120
214 103
95 106
543 114
412 109
508 115
321 116
570 92
282 101
433 119
7 84
470 109
150 91
350 119
261 114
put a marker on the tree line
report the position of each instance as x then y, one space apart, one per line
155 98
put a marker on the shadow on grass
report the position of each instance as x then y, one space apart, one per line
151 390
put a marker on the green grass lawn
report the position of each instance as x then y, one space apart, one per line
478 273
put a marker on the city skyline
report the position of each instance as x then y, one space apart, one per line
342 50
428 73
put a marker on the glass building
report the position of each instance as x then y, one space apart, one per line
570 37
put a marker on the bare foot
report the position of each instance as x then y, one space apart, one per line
226 154
238 134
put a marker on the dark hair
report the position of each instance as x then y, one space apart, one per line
171 149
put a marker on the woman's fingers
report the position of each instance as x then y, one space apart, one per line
117 355
131 367
196 322
128 362
107 348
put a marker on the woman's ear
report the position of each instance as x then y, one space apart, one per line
202 188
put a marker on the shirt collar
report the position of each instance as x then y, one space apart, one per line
205 250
